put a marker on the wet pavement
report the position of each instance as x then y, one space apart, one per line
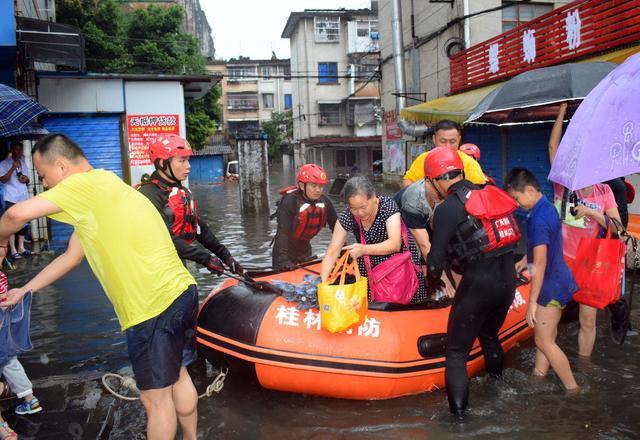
77 339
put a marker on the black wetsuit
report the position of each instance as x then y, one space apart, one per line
206 242
619 190
287 251
481 303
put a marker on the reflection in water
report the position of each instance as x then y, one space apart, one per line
77 338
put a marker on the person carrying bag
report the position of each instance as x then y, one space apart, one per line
342 305
394 280
599 269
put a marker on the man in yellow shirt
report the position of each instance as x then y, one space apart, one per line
131 253
446 134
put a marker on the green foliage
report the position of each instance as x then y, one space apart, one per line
202 116
148 40
279 129
199 128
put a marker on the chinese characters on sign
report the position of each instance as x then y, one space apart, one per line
290 316
529 45
142 129
572 27
494 63
518 301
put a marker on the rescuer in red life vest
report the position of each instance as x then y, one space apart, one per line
191 236
302 213
482 251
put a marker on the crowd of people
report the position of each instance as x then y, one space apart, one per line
456 257
455 225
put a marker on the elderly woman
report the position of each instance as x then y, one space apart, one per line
381 223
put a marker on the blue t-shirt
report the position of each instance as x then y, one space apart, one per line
544 228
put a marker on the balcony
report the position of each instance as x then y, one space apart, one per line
242 102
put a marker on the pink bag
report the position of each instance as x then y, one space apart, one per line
395 279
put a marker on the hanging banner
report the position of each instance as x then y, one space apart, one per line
393 131
143 129
394 157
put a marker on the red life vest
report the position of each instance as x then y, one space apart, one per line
310 218
181 211
490 228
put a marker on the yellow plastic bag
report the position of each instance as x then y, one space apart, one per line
342 305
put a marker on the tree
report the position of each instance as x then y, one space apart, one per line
202 117
148 40
279 129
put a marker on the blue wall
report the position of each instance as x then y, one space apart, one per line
7 43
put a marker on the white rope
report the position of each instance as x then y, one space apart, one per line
130 384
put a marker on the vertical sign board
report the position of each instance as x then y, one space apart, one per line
142 130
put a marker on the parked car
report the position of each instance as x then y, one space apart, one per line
233 170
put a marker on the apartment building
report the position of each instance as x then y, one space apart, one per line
251 91
335 88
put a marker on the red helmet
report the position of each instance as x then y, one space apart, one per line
312 173
471 149
442 160
167 146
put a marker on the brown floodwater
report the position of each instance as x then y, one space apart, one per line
76 340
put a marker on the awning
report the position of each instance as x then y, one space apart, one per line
48 42
457 107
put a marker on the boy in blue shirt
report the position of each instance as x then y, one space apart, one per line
552 284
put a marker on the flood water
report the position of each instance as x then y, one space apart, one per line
77 339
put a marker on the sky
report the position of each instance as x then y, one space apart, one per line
253 27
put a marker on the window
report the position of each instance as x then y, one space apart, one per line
288 102
345 158
360 113
366 71
329 114
266 72
243 126
287 72
242 101
327 73
517 14
365 28
267 100
242 73
327 29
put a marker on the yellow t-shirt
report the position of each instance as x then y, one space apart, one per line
472 170
125 241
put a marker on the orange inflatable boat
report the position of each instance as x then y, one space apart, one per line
398 350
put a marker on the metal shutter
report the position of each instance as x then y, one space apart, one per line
99 138
488 139
527 147
206 169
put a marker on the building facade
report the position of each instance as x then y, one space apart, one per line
432 32
335 88
251 91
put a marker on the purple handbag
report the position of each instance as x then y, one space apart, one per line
395 279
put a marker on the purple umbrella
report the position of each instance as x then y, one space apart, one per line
602 141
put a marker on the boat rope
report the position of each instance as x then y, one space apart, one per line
129 383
